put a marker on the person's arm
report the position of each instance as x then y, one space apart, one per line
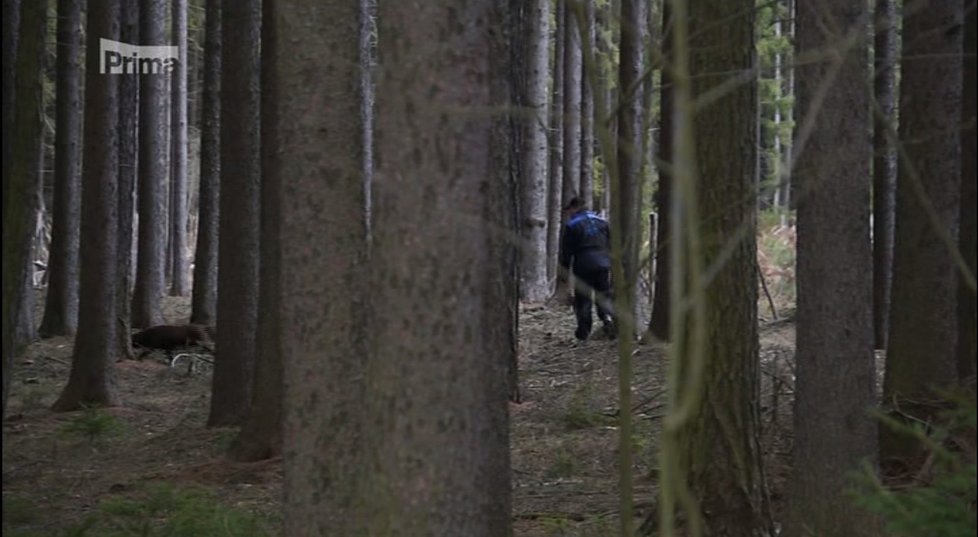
566 247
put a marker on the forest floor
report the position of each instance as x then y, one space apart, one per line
151 461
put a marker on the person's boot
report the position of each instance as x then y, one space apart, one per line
609 328
581 334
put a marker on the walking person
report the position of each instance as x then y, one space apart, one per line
585 248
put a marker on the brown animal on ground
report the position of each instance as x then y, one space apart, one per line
171 337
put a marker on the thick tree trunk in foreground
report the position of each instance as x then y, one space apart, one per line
835 365
718 447
436 412
324 237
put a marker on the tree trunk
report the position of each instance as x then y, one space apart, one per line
368 63
437 413
238 251
612 93
61 304
625 198
587 110
777 157
534 285
555 187
128 155
11 248
967 346
334 377
716 447
153 165
923 328
659 322
573 70
507 75
179 277
20 175
204 308
11 29
787 197
25 331
884 162
317 166
835 365
92 378
602 126
261 434
571 165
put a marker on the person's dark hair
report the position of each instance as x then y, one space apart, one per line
574 203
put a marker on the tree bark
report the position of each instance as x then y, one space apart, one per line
573 71
128 155
626 188
368 63
25 329
61 303
179 276
556 169
11 31
316 165
261 434
153 169
967 346
437 407
20 175
923 329
602 53
204 300
534 285
835 366
886 53
718 445
659 323
15 226
238 251
507 74
587 110
92 378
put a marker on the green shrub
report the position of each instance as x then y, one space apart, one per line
580 413
93 424
167 511
945 505
564 464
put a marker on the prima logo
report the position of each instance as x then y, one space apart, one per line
117 58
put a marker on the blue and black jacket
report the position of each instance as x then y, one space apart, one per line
586 241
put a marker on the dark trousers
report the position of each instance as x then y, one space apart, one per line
598 282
